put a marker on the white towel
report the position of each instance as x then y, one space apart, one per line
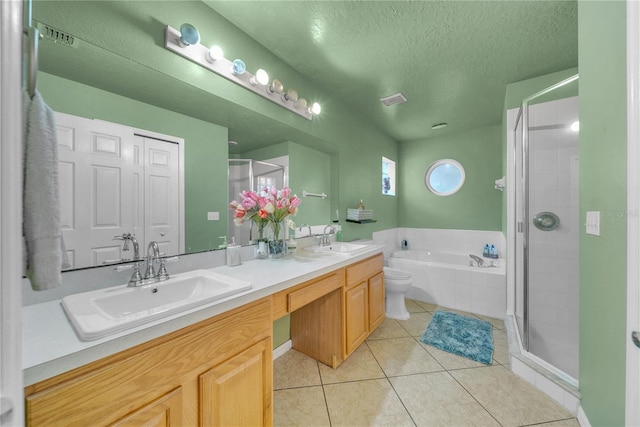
41 203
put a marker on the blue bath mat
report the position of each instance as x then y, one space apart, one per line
461 335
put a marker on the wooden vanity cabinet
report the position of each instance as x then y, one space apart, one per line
216 372
364 301
315 307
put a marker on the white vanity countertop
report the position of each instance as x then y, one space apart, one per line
50 345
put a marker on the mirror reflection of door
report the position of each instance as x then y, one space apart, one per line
114 182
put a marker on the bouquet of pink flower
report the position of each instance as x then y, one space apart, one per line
268 206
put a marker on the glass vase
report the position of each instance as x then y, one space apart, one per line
277 245
261 250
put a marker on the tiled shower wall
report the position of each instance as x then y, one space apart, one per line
553 255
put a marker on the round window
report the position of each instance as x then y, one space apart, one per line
444 177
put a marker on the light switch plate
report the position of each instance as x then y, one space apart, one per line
213 216
593 223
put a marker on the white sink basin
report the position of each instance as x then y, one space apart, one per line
339 248
99 313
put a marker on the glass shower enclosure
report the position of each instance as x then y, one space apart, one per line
547 227
249 174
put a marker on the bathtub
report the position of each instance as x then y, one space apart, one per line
447 279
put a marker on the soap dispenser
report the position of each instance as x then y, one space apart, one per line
233 253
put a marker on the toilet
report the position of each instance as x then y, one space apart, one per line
396 284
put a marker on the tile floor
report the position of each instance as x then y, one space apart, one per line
393 379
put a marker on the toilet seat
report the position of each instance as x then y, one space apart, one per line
394 273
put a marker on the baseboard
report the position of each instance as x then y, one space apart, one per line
281 349
582 418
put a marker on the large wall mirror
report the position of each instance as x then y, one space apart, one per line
95 82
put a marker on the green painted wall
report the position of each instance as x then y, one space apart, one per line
205 149
476 206
602 62
281 330
309 170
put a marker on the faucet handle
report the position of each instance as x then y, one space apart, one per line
162 271
136 278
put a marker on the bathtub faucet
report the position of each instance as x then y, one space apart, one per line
477 259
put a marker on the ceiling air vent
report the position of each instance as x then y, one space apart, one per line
394 99
56 35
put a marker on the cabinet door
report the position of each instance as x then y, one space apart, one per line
357 316
376 301
238 391
164 412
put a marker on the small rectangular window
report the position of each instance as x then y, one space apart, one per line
388 177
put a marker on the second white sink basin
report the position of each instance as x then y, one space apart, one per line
340 248
99 313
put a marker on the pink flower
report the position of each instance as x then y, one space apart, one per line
293 210
281 203
240 213
248 203
263 214
294 201
285 192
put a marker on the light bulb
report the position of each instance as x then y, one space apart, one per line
301 103
291 95
575 126
261 77
238 66
214 54
188 35
275 87
315 108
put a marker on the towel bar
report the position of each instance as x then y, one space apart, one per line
33 35
307 194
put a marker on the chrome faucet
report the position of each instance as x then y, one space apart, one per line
136 278
477 259
308 227
151 258
324 240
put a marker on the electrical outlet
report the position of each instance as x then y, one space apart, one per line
213 216
593 223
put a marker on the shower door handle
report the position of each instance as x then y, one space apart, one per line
635 336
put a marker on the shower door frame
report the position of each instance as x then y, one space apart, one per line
516 225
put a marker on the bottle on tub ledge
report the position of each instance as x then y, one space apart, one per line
490 251
493 252
486 252
404 244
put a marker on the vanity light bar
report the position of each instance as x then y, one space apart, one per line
198 53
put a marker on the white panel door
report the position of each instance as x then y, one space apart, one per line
162 207
97 188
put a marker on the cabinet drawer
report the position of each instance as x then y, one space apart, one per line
314 291
364 269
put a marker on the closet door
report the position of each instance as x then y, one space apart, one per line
96 195
161 194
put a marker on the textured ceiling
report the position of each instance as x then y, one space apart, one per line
451 59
